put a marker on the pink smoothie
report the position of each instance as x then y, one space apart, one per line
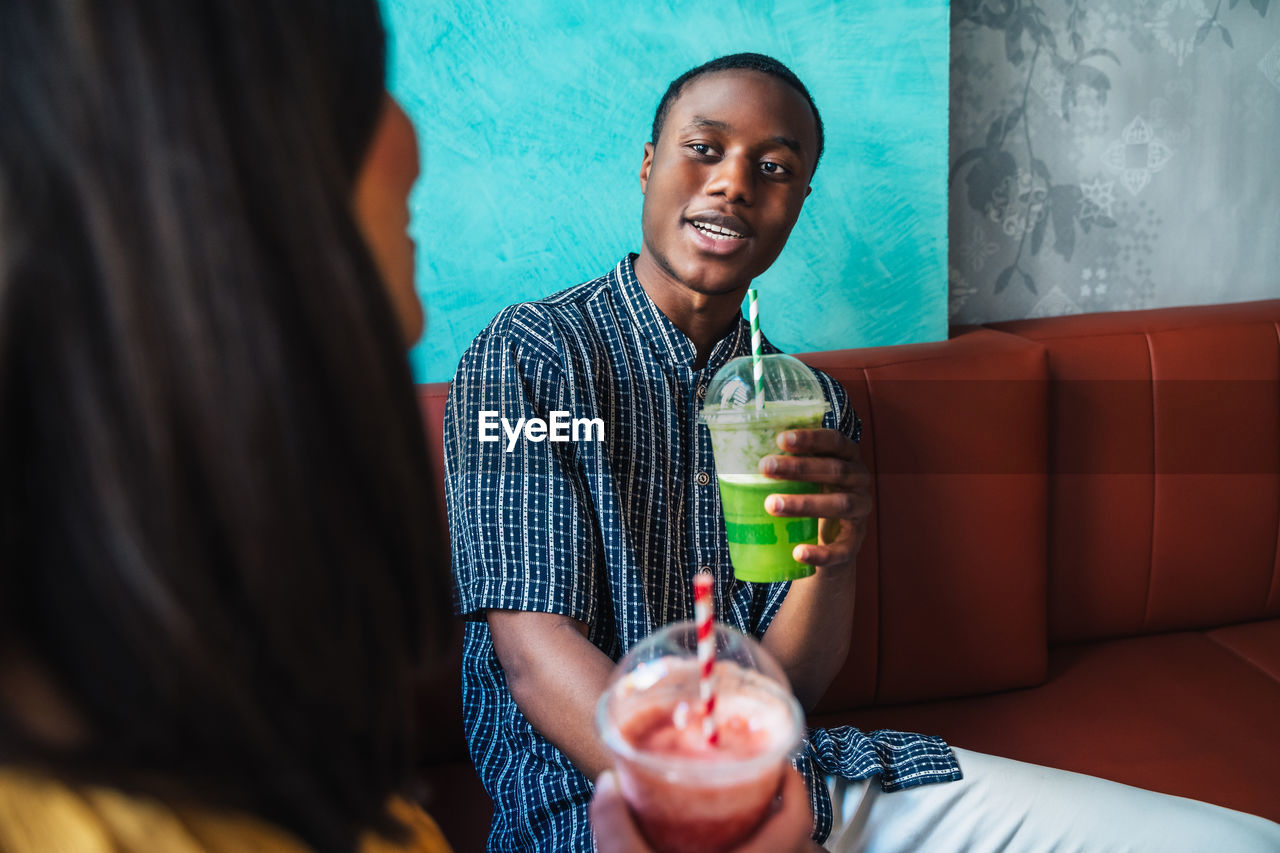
690 797
655 730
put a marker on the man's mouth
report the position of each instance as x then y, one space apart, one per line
717 232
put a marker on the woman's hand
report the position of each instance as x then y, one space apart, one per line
787 829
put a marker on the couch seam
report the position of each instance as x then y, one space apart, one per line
875 498
941 357
1151 542
1275 554
1191 324
981 355
1236 653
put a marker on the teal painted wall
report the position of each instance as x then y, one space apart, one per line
532 117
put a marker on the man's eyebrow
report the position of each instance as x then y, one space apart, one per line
700 122
788 142
703 121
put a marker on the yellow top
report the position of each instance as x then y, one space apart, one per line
42 815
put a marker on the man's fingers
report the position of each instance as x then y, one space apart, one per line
818 442
832 470
852 505
839 553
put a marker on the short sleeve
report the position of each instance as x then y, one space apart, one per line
842 415
521 520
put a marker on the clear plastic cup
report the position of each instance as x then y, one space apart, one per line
687 796
760 544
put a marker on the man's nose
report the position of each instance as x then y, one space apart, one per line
734 179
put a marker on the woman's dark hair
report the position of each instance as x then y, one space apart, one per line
737 62
218 530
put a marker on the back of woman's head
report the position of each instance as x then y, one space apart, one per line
216 521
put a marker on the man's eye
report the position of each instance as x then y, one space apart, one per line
771 168
701 148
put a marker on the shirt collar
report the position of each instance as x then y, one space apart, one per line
664 338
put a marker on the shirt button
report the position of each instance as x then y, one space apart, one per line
701 392
703 478
705 569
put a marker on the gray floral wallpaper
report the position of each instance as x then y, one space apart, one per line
1111 155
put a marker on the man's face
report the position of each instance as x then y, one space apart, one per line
726 181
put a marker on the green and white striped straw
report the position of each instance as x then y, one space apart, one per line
757 346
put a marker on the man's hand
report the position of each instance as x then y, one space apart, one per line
786 829
831 459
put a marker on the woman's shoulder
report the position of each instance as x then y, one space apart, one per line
39 813
424 835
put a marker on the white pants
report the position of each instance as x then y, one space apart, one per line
1006 805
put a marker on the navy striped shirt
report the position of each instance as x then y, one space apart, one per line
607 532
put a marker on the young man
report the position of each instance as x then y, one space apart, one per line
568 553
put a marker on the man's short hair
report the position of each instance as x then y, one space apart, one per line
737 62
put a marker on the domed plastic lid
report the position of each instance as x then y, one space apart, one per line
659 679
790 391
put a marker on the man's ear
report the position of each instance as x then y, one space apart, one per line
808 190
645 166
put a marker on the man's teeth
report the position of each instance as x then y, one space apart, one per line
716 232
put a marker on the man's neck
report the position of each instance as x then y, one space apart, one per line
703 318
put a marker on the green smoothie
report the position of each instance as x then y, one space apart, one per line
760 544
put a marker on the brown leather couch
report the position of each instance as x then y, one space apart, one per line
1074 558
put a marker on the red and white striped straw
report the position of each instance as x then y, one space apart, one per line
705 618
